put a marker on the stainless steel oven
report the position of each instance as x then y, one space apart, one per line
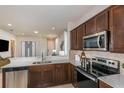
98 41
85 80
87 77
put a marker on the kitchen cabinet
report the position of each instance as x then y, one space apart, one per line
77 37
80 34
98 23
62 73
48 75
117 29
102 21
73 39
41 76
73 75
91 27
103 85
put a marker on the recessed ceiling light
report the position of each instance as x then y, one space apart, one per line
53 28
36 32
9 24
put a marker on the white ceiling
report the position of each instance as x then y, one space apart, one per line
26 19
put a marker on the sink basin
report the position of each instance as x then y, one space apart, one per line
42 62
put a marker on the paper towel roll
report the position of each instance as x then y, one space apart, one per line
77 58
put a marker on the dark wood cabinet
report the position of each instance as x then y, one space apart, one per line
98 23
102 21
117 29
91 27
104 85
80 34
77 37
73 75
41 76
62 73
48 75
73 39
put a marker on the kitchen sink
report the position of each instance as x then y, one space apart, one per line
42 62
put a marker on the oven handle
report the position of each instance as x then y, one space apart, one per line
87 75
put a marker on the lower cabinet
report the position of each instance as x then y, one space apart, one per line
41 76
103 85
48 75
73 75
62 73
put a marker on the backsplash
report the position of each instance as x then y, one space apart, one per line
90 54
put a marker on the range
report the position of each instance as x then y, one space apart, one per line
87 76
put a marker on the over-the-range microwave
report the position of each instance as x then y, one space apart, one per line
98 41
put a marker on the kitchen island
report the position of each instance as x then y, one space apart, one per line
22 69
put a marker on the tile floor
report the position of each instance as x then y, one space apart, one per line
63 86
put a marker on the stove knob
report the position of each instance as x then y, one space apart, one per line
109 62
113 63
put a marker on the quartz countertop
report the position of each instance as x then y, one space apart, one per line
28 61
115 81
75 63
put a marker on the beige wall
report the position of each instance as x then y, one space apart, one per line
50 46
41 44
6 36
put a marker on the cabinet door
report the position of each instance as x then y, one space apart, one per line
80 34
62 73
102 21
34 77
47 75
73 75
91 27
73 39
41 76
117 29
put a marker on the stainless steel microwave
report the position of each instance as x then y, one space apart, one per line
98 41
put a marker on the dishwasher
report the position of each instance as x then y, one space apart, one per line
0 78
15 77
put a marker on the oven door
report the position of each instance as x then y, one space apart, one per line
96 42
85 80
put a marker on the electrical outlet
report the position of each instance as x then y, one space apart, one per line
123 65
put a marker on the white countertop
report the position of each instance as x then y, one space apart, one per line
116 81
75 63
28 61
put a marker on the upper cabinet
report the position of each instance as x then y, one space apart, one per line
117 28
102 21
77 37
91 26
98 23
111 19
73 38
80 34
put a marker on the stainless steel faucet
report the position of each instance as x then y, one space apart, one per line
42 56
